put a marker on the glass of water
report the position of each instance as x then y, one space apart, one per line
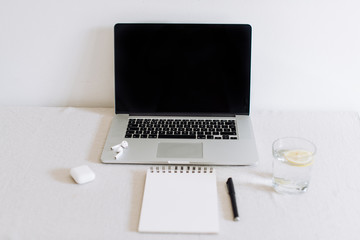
292 164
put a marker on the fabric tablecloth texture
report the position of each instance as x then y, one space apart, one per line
40 200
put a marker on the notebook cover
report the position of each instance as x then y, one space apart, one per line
180 200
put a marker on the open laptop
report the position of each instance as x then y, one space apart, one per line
182 95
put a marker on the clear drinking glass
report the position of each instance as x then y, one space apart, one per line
292 164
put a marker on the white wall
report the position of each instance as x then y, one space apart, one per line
306 54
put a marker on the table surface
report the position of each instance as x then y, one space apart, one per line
39 199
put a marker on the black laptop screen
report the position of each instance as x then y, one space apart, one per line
182 69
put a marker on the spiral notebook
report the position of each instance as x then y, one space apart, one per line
180 199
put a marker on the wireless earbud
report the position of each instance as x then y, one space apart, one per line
119 148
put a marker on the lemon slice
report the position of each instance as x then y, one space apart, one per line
300 158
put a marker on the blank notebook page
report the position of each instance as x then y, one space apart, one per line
180 200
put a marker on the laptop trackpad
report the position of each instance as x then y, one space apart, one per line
180 150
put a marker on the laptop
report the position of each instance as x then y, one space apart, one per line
182 95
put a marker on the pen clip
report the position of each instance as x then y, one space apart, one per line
230 186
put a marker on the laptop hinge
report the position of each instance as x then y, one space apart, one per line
183 114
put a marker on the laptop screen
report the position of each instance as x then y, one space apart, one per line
182 69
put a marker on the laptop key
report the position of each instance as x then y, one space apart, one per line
228 133
201 136
177 136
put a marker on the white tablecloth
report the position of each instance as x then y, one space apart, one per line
39 199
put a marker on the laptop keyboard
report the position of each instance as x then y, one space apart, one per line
181 129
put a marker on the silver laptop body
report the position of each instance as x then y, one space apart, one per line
182 95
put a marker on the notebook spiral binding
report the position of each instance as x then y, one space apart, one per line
181 169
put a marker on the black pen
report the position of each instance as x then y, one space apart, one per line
230 186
